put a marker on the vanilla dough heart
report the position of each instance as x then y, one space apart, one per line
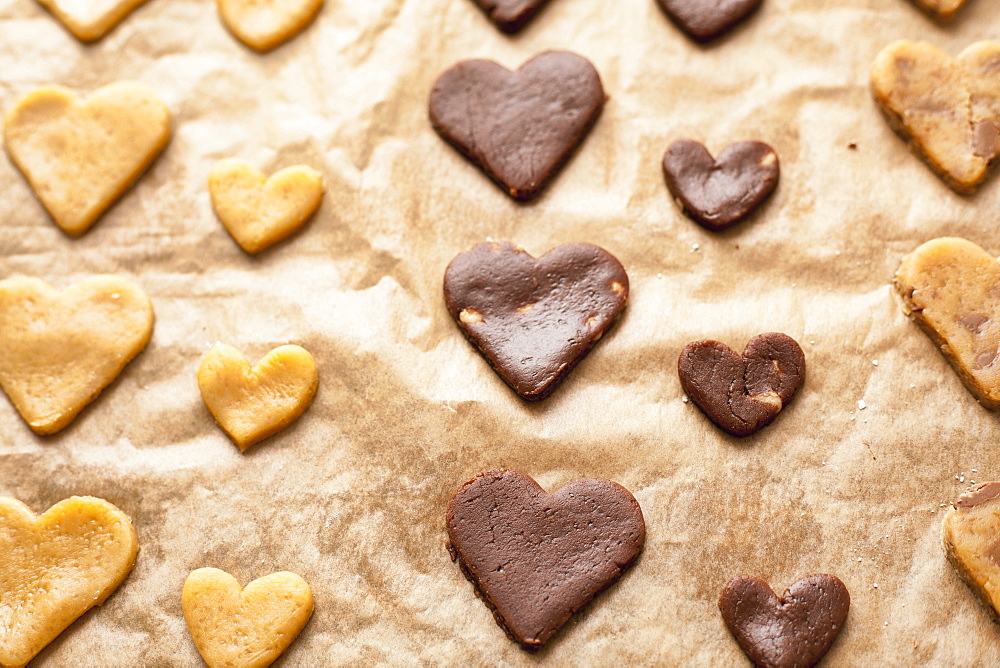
266 24
259 212
90 20
56 566
244 628
949 110
251 404
58 350
949 288
971 536
80 154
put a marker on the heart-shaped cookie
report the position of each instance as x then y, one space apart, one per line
949 289
534 320
244 628
794 631
511 15
267 24
940 10
705 20
257 211
58 350
971 536
741 394
519 127
56 566
536 558
949 110
251 404
91 20
80 155
717 193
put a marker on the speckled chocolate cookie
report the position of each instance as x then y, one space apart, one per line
511 15
536 558
705 20
534 320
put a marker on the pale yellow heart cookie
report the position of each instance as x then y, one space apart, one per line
949 110
971 536
266 24
941 10
251 404
951 289
56 566
259 212
90 20
58 350
80 155
244 628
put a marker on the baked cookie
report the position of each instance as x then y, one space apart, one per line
79 155
259 212
940 10
949 110
244 628
536 558
56 566
251 404
58 350
705 20
90 20
267 24
534 320
971 536
519 127
949 289
794 631
511 15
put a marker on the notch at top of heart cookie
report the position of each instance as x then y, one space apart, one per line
91 20
705 21
948 109
81 154
267 24
511 16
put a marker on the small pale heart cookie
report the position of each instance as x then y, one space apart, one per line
971 536
244 628
90 20
266 24
56 566
949 110
58 350
949 288
251 404
259 212
81 154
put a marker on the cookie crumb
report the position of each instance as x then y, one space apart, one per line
695 247
874 362
862 405
684 398
853 145
875 584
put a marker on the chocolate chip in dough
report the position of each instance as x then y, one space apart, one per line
511 15
705 20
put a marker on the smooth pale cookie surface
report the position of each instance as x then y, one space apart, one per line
949 110
58 350
244 628
251 404
81 154
90 20
971 536
257 211
951 289
266 24
56 566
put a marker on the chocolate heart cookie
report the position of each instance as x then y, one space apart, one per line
795 630
536 558
519 127
705 20
741 394
511 15
534 320
971 537
719 193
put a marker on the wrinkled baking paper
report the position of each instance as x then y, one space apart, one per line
352 497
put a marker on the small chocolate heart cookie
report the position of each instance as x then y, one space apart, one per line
536 558
793 631
511 15
705 20
519 127
741 394
719 193
534 320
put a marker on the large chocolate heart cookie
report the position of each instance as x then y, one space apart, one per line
534 320
793 631
536 558
511 15
971 537
717 193
738 393
949 110
705 20
519 127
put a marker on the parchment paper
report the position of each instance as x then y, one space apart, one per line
352 497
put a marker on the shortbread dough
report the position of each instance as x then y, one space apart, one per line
266 24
